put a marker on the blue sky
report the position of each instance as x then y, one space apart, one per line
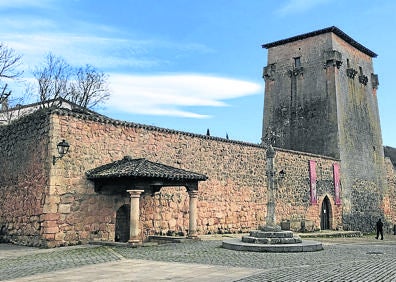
193 65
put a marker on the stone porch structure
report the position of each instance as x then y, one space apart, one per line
143 176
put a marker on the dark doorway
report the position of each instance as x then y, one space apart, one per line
325 214
122 224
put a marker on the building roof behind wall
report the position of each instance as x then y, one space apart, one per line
390 153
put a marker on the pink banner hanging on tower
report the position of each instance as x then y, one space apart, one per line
337 186
312 178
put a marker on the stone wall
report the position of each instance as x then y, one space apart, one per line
389 202
300 100
360 140
24 163
293 195
233 199
389 199
54 205
320 97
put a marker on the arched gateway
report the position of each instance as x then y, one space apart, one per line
122 224
325 214
138 176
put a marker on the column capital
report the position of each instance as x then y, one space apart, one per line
193 193
135 193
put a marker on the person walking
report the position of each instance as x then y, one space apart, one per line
380 229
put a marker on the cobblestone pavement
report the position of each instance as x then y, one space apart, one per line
343 259
30 261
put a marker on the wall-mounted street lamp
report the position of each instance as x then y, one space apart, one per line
63 148
282 174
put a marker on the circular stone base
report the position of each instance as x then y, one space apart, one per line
304 246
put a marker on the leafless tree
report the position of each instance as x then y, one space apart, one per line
84 86
53 79
9 63
89 87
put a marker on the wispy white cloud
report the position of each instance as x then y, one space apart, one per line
299 6
98 45
112 50
77 49
24 25
34 28
168 94
25 4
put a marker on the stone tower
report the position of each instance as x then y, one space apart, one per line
320 97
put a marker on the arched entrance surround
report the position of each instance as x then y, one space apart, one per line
138 176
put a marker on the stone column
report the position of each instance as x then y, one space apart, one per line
192 227
135 215
271 194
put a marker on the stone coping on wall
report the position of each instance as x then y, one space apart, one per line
104 119
96 117
93 116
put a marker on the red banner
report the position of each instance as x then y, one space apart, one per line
312 178
336 177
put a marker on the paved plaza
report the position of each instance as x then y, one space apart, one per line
343 259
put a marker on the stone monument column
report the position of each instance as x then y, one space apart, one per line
135 215
192 228
271 184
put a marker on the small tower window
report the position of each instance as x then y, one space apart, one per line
348 64
297 62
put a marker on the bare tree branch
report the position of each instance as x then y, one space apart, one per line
90 87
53 78
84 86
9 62
4 94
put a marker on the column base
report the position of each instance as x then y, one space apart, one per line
270 227
193 237
135 242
